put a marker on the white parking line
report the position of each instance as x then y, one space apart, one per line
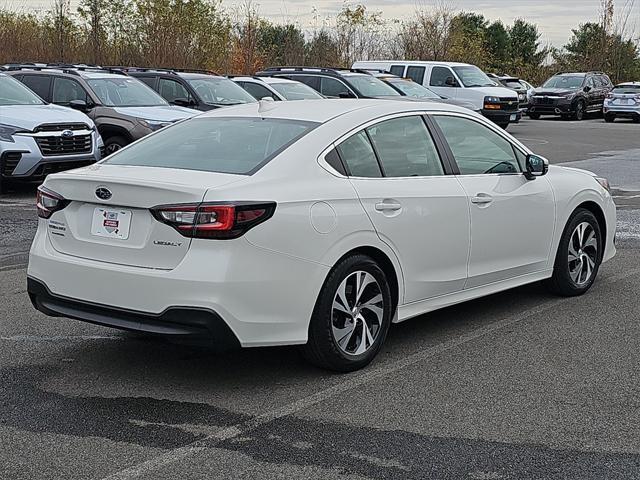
57 338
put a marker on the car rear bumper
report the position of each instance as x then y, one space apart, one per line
265 298
622 111
194 325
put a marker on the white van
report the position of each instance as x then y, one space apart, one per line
461 81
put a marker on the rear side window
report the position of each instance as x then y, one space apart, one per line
358 156
439 76
405 148
150 81
416 74
66 90
397 70
310 80
331 87
40 84
216 144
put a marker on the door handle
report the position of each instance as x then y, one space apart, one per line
388 206
481 199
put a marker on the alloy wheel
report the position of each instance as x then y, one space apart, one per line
357 313
583 253
112 147
579 111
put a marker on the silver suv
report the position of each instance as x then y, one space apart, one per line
37 139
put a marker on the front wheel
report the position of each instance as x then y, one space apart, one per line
504 126
113 144
351 317
579 255
534 116
578 113
609 118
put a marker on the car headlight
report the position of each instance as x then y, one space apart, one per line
7 132
491 100
153 125
571 96
604 183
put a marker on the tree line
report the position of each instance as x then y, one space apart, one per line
202 34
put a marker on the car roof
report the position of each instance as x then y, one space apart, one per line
188 75
628 84
417 62
323 110
264 79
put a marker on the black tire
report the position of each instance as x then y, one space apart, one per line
3 185
562 283
113 144
322 348
636 119
534 116
609 118
504 126
579 111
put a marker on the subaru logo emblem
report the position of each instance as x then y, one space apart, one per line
67 133
103 193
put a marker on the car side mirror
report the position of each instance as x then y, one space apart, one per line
587 88
345 95
535 166
183 102
450 82
80 105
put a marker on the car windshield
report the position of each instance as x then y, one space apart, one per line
411 89
125 92
513 84
472 76
295 91
571 82
627 89
220 91
12 92
371 87
236 145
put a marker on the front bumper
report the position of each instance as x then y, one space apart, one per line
256 292
551 106
22 159
502 117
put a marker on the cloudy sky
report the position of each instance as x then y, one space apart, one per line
554 18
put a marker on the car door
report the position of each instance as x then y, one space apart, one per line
512 218
440 81
334 88
415 206
65 90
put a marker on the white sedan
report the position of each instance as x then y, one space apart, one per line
316 223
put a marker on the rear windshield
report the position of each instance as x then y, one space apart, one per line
627 89
295 91
371 87
411 88
215 144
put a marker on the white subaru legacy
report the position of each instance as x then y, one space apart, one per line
316 223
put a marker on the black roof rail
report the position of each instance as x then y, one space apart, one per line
72 69
336 71
164 70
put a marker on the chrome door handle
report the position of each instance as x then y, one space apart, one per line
385 206
482 198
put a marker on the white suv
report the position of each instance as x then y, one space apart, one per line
460 81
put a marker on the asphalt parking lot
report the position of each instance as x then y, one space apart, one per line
518 385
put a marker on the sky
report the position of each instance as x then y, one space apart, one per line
554 18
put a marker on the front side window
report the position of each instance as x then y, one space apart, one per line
412 89
472 76
66 90
220 91
235 145
358 156
258 91
476 148
172 90
416 74
295 91
331 87
124 92
405 148
439 76
12 92
370 86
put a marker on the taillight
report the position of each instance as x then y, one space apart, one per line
610 95
214 220
48 202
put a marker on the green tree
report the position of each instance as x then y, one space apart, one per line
498 45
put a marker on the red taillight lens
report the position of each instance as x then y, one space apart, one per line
219 221
48 202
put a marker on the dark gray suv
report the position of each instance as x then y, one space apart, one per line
123 108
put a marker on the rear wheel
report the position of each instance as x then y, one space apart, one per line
534 116
636 119
352 316
3 184
579 255
113 144
609 118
